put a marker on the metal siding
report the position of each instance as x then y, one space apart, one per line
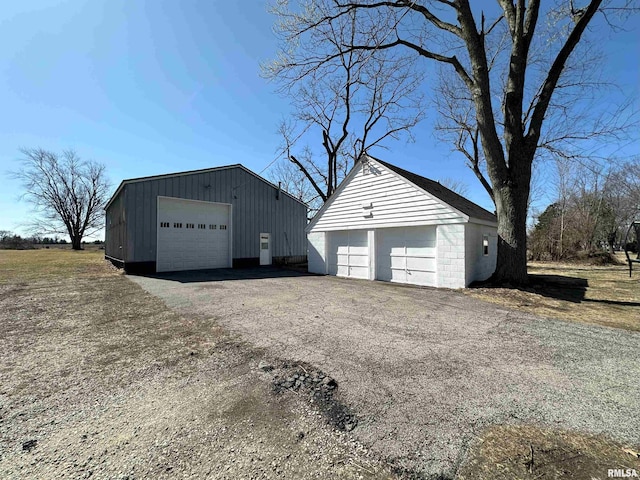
147 224
153 216
255 210
115 228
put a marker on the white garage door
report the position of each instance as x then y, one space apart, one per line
406 255
192 235
348 253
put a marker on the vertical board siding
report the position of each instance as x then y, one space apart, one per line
395 202
115 228
255 210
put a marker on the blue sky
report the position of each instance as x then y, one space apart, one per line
151 87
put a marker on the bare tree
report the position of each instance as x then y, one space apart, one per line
68 194
349 104
621 193
294 182
514 65
455 185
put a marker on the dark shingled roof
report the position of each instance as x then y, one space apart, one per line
449 197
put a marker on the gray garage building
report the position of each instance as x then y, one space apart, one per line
212 218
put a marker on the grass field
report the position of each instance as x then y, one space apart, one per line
19 266
600 295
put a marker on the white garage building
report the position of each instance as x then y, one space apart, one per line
385 223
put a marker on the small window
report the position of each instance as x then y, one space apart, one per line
223 227
264 245
485 245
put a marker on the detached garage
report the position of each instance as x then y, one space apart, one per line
212 218
385 223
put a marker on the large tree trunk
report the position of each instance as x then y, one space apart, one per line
76 243
511 196
511 209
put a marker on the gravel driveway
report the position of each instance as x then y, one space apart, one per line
424 369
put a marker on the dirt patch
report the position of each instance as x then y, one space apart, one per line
526 452
100 379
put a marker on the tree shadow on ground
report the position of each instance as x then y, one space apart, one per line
560 287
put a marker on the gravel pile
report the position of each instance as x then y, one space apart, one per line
319 387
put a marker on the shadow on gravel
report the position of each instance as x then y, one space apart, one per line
227 274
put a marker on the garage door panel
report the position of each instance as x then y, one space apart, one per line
421 278
424 264
359 260
343 270
359 272
348 254
398 275
406 255
397 261
182 248
421 251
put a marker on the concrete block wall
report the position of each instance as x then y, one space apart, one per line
480 266
450 264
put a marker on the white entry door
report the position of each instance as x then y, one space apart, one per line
406 255
348 253
265 249
192 235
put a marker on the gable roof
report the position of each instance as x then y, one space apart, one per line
195 172
441 192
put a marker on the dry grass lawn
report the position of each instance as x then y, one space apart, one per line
20 266
600 295
505 453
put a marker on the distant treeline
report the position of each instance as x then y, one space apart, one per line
591 214
12 241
